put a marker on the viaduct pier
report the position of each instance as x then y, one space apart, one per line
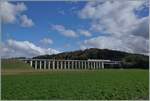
69 64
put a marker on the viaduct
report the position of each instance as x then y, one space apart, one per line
69 64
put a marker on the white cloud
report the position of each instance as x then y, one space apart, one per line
14 48
129 44
25 21
114 17
46 41
10 13
66 32
84 32
141 28
119 20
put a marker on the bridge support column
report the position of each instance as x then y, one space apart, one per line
64 64
45 64
72 64
40 64
49 64
35 65
82 64
31 63
97 65
53 64
89 65
68 64
57 66
102 65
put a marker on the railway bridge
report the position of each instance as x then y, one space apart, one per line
69 64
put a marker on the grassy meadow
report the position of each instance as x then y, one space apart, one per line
88 84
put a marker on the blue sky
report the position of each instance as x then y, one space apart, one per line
45 14
87 23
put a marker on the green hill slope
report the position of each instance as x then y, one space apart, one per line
14 64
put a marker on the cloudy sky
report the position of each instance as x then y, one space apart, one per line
50 27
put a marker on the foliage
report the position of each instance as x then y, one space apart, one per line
136 61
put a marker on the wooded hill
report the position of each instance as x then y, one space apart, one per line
129 60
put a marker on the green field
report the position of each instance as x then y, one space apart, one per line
14 64
102 84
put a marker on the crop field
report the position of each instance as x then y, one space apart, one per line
111 84
85 85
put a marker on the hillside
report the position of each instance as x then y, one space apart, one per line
14 64
135 60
